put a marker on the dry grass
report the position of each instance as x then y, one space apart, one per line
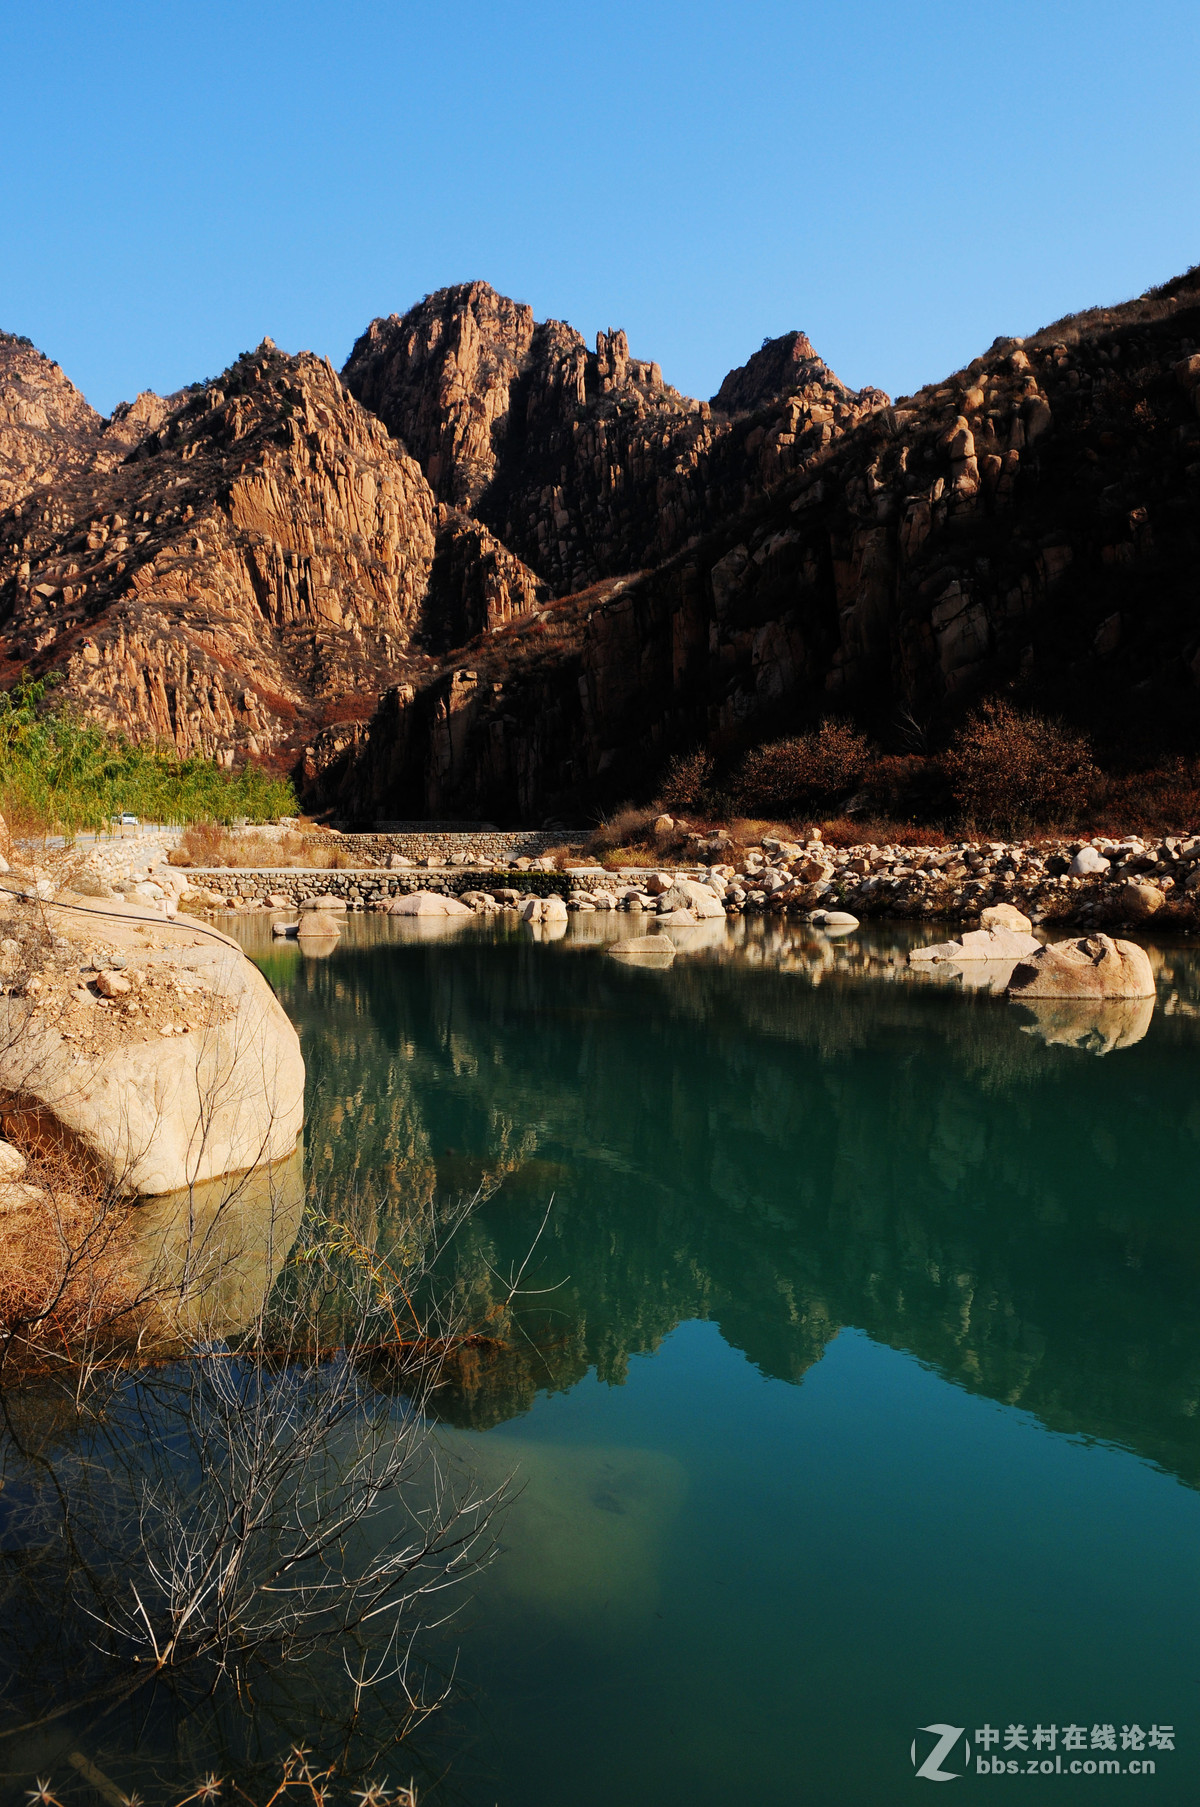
65 1269
210 844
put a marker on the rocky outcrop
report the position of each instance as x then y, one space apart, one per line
584 462
1031 522
552 571
248 562
48 432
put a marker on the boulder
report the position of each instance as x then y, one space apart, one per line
161 1115
281 929
113 985
398 863
1138 899
318 925
1005 916
694 895
554 909
834 919
427 903
679 918
1092 966
275 900
643 950
980 944
327 905
1088 863
12 1163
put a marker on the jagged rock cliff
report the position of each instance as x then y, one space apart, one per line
493 572
1032 522
586 463
237 567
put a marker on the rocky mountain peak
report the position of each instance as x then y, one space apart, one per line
46 426
783 366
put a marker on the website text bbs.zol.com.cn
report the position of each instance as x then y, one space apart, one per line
943 1753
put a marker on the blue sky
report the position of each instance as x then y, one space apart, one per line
902 181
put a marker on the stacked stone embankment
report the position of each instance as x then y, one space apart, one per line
1104 881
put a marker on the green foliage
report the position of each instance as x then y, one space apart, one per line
62 774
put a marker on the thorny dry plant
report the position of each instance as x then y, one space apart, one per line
297 1778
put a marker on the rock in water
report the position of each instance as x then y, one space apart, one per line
980 944
428 903
1094 966
315 925
643 950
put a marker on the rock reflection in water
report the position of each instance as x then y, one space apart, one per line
210 1254
1092 1028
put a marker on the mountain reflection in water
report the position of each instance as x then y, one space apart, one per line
784 1136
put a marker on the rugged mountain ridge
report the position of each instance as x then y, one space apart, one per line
489 571
239 567
584 462
1031 524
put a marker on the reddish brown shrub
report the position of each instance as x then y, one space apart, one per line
1007 770
809 772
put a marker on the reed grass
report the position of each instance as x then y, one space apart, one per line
60 774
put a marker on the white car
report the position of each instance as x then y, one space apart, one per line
128 821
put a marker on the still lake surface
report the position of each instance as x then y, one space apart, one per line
863 1397
852 1387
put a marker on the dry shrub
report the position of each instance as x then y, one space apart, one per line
1162 800
687 783
626 827
210 844
65 1277
805 773
1007 769
873 831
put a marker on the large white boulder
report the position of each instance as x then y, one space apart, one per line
161 1113
1088 863
1092 966
428 903
691 894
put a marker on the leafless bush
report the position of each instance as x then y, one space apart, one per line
688 782
804 774
1007 769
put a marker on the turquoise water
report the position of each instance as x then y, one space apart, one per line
863 1396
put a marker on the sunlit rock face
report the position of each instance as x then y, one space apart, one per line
495 572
